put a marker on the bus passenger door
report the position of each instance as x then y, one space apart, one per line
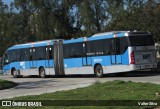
86 59
32 57
58 58
115 51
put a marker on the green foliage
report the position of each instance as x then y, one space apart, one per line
33 20
93 15
143 18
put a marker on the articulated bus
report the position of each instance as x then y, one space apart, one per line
102 53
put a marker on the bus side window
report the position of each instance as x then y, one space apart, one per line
112 46
47 54
50 53
123 45
96 47
76 50
18 55
33 54
117 46
22 55
40 53
30 55
107 47
25 55
66 50
73 50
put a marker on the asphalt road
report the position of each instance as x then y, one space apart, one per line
35 85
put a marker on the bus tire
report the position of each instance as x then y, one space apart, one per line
14 73
98 71
42 73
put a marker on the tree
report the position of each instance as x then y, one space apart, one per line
3 21
93 16
52 19
138 18
23 18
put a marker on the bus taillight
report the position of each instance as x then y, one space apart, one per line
132 58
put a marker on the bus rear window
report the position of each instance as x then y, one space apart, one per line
141 40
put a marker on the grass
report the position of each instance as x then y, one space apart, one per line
115 90
4 84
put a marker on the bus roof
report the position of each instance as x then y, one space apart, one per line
74 40
97 36
32 44
108 33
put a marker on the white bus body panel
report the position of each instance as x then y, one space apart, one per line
27 72
116 68
79 70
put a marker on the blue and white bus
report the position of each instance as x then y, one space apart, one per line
102 53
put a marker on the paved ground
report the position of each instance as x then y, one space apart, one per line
35 85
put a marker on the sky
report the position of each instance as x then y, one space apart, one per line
7 1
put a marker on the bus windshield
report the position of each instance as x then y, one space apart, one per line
141 40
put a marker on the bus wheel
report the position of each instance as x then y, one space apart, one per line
42 73
14 73
98 71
